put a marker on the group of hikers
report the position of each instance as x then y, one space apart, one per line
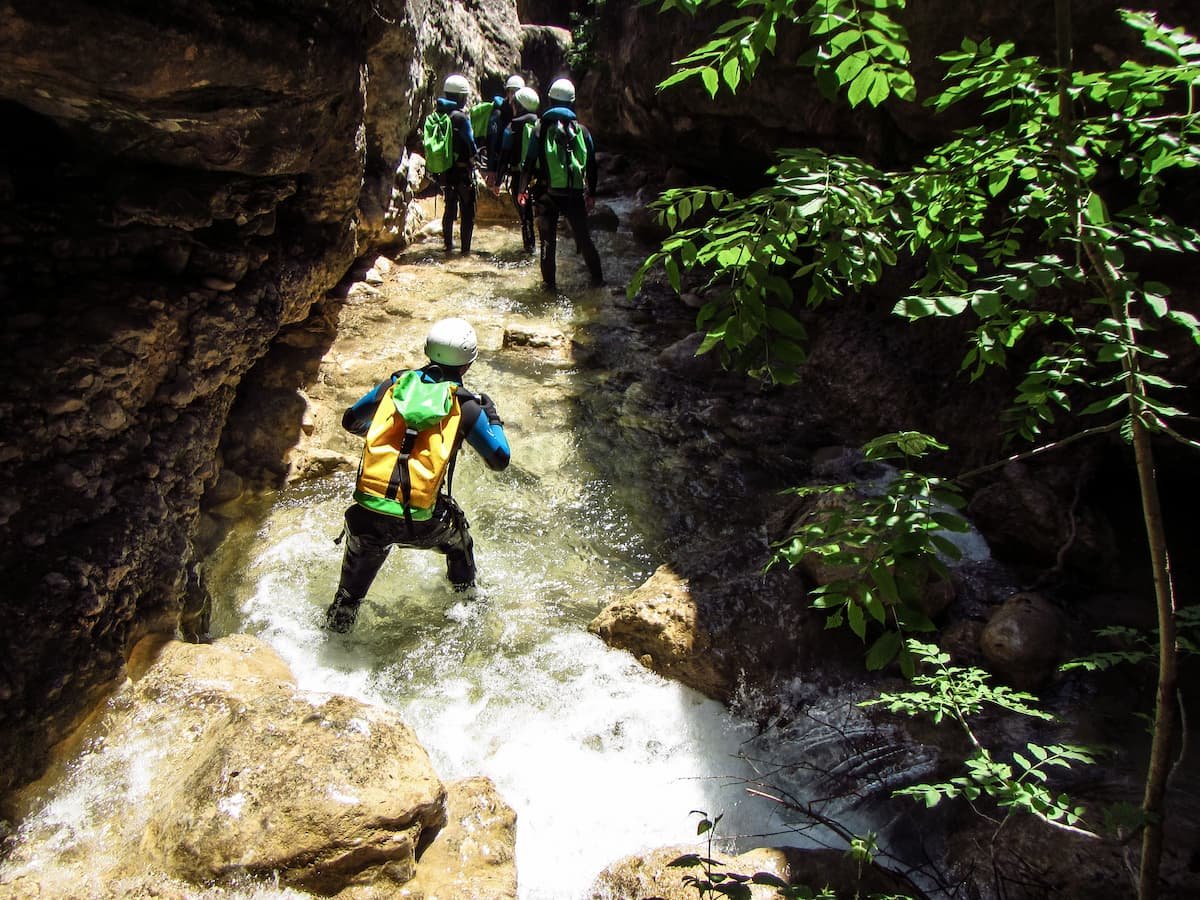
414 422
544 158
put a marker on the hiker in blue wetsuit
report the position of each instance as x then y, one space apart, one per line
402 496
458 182
515 143
503 111
562 160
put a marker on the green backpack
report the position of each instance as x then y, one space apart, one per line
481 114
565 150
438 137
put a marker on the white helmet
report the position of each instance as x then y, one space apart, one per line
451 342
562 89
457 84
529 99
514 83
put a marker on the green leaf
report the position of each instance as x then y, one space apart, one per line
768 878
1188 321
883 651
711 339
732 73
672 268
785 323
709 77
681 75
886 583
850 69
918 307
1097 214
1103 405
1158 305
856 620
986 304
880 89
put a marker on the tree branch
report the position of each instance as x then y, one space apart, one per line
1038 451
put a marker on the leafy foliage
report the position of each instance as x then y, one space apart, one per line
889 547
1004 220
956 693
581 55
858 45
714 880
823 225
1039 221
1140 647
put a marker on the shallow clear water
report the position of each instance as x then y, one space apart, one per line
598 756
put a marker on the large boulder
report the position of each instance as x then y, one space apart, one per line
474 855
1024 640
660 624
228 774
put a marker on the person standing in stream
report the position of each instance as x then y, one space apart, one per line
414 423
562 160
450 152
513 147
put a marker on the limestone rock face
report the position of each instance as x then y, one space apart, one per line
182 181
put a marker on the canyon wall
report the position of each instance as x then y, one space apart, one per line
179 181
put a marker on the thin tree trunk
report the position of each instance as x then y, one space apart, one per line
1164 706
1159 767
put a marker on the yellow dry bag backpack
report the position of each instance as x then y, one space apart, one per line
410 448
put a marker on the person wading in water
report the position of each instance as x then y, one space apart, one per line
414 423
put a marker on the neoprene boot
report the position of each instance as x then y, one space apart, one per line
342 613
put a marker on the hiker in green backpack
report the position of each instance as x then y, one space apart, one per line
450 158
562 159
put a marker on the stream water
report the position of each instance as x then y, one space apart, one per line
598 756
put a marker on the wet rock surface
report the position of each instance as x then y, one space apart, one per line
239 776
660 874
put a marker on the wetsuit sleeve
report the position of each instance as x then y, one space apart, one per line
504 156
357 418
485 431
464 138
533 155
590 171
